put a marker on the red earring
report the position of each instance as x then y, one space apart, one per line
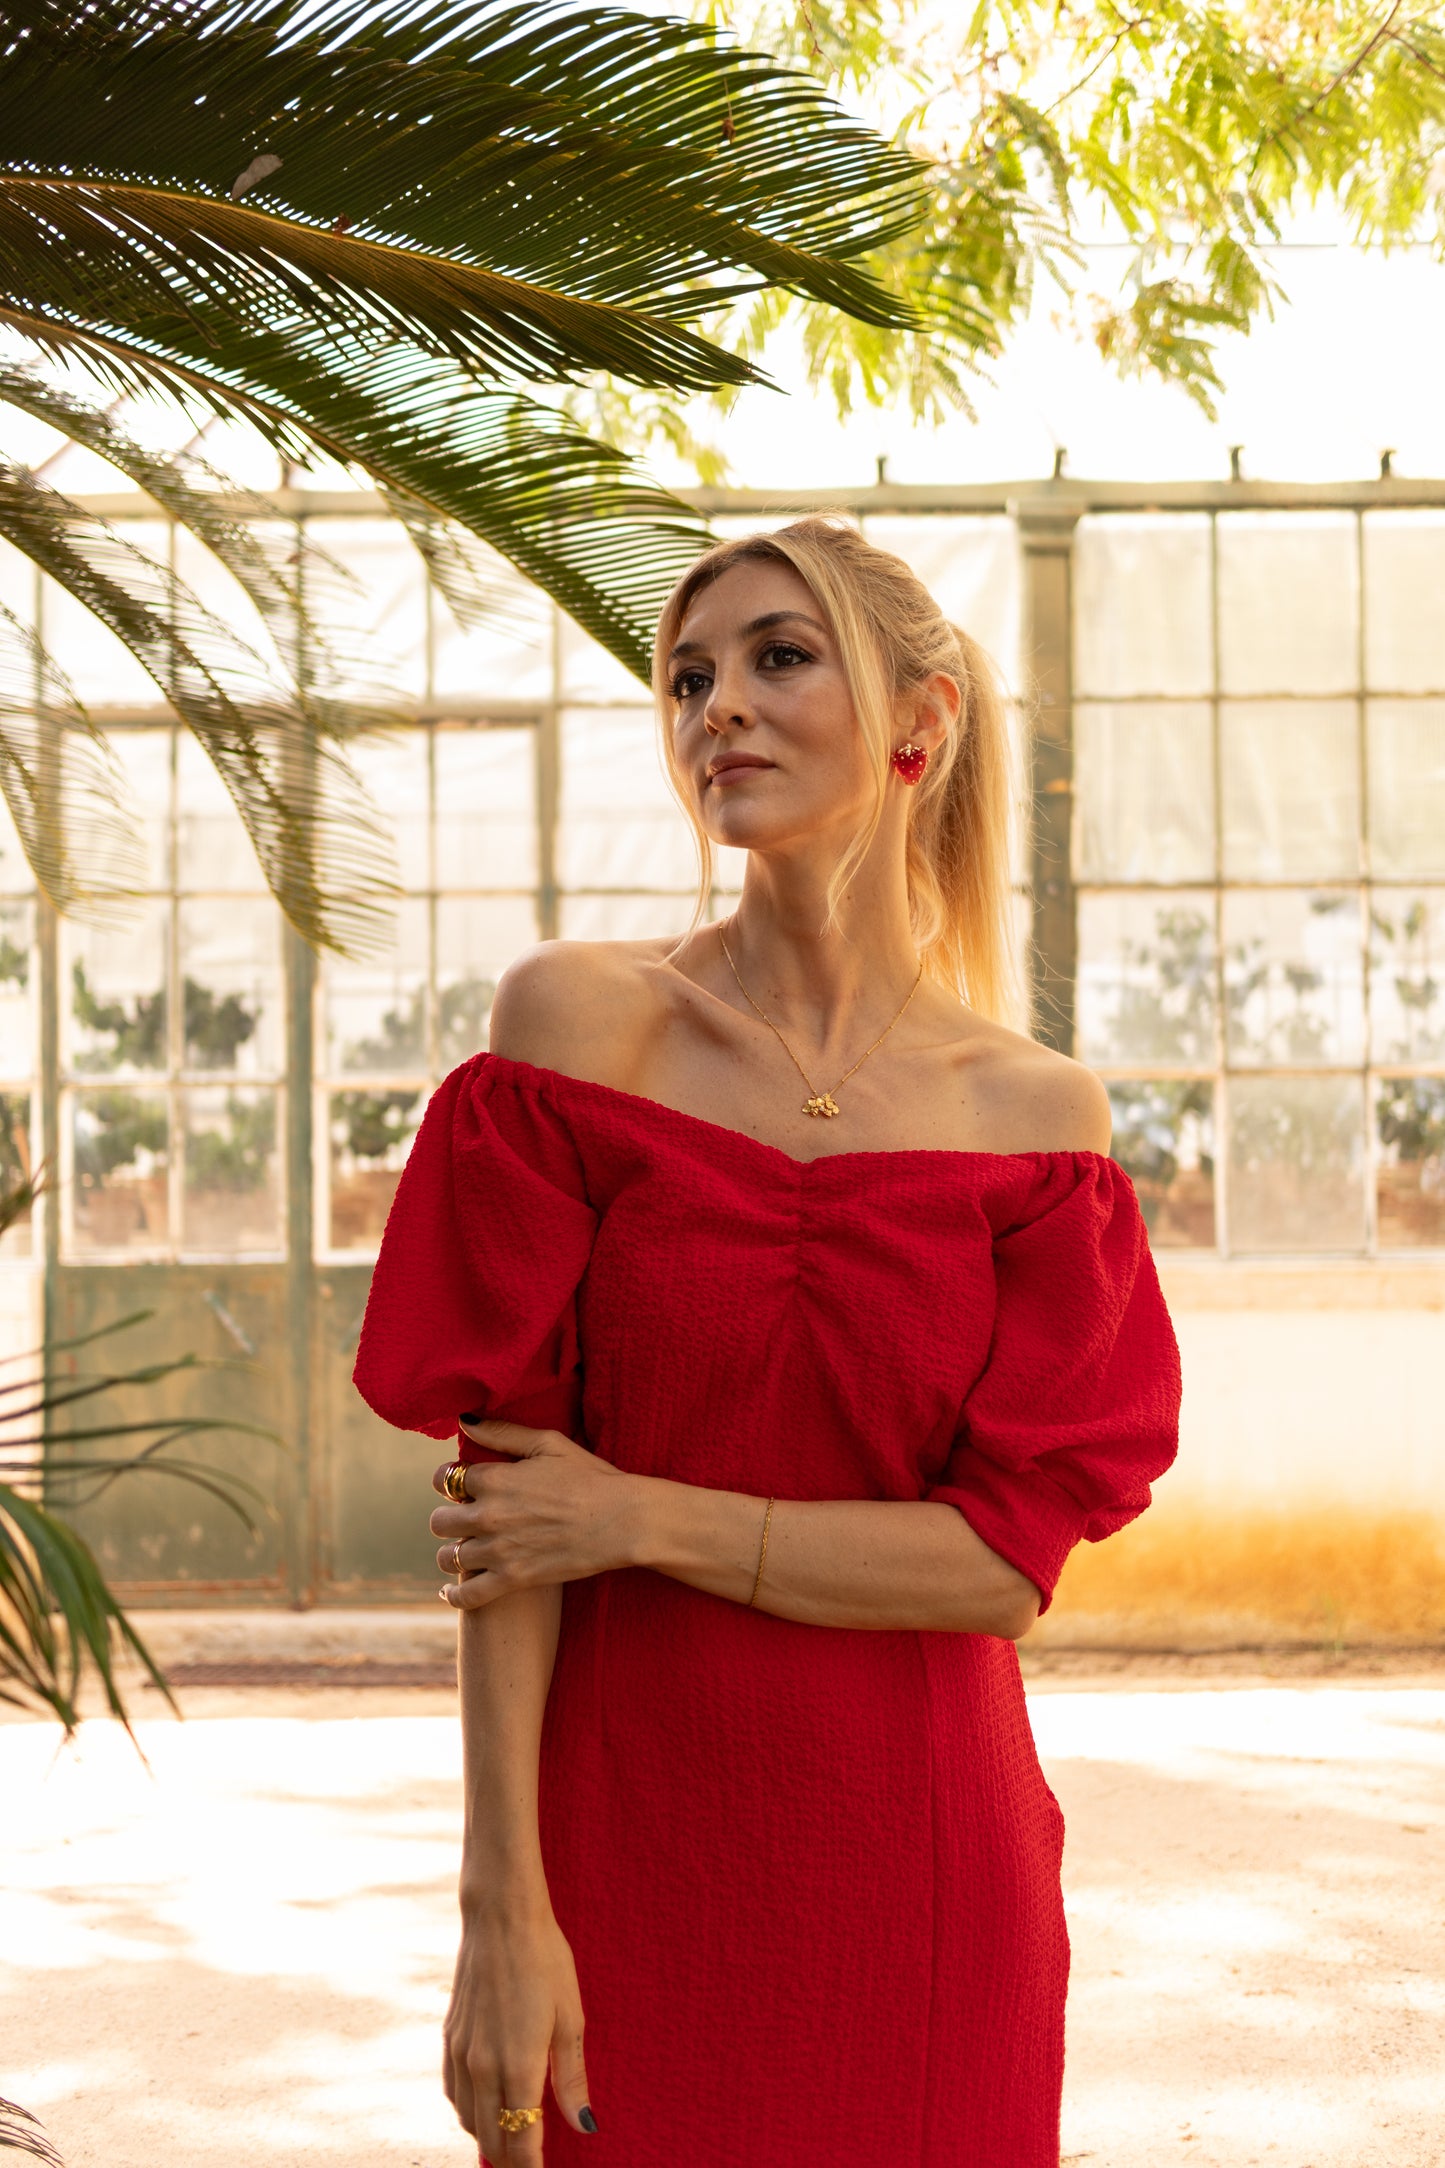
910 760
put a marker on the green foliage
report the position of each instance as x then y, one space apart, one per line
239 1157
1411 1116
1191 129
390 238
373 1125
120 1127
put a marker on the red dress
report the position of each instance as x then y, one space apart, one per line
810 1875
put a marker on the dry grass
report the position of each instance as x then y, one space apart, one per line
1186 1573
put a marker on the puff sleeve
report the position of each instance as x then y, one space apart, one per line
1076 1409
473 1300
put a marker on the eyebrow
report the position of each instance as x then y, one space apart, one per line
755 625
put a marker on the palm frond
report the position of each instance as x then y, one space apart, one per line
568 510
65 792
600 152
21 2133
321 846
307 601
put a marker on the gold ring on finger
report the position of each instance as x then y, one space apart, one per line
454 1482
457 1556
514 2119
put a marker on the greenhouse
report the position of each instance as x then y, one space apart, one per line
1231 868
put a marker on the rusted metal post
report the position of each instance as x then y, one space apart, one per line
1046 536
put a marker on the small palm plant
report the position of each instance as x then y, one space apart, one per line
387 237
59 1620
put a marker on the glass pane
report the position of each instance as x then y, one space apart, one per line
486 808
18 576
225 597
1404 623
17 989
232 1197
477 937
145 761
507 657
120 1145
231 986
101 668
384 593
1407 788
1288 603
16 877
1146 989
393 766
117 977
971 568
620 826
1293 979
589 671
1410 1194
17 1165
213 849
1296 1164
1164 1141
1291 783
623 918
1141 605
1407 975
370 1135
1144 793
376 1011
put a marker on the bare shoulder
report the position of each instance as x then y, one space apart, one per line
1030 1099
582 1007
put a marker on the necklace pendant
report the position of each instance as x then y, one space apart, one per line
821 1103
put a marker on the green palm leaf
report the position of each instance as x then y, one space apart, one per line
321 846
20 2133
307 601
60 781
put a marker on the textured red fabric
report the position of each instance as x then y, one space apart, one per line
811 1876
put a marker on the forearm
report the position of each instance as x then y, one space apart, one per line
504 1663
846 1563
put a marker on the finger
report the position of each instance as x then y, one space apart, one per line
460 2091
522 2087
477 1591
487 2130
518 1439
463 1556
569 2072
439 1477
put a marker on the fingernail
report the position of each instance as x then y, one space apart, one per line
587 2119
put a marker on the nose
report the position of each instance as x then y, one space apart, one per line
727 707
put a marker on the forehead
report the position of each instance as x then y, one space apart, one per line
754 588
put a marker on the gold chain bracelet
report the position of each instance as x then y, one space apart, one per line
762 1554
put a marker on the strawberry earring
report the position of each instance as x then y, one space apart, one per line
910 760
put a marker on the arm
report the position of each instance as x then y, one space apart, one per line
559 1514
515 2004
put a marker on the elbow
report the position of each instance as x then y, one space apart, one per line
1018 1614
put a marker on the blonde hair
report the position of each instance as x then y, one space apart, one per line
892 637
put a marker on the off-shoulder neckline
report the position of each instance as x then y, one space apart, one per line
531 1069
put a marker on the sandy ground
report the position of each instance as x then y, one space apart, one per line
241 1953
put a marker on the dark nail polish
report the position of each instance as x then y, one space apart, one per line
587 2119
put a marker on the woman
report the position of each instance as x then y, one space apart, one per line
799 1328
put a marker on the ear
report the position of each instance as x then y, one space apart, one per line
931 710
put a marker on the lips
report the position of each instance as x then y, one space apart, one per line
731 770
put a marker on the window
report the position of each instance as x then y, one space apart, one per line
172 1040
1260 855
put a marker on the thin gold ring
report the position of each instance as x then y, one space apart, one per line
513 2119
454 1482
457 1555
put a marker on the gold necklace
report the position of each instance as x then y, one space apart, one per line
817 1102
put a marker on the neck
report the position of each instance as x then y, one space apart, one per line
821 979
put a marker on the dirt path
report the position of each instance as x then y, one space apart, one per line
243 1953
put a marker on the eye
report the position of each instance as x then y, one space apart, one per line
783 655
687 684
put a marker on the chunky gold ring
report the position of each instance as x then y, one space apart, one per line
457 1555
512 2119
454 1482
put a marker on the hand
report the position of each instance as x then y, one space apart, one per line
558 1514
515 2012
